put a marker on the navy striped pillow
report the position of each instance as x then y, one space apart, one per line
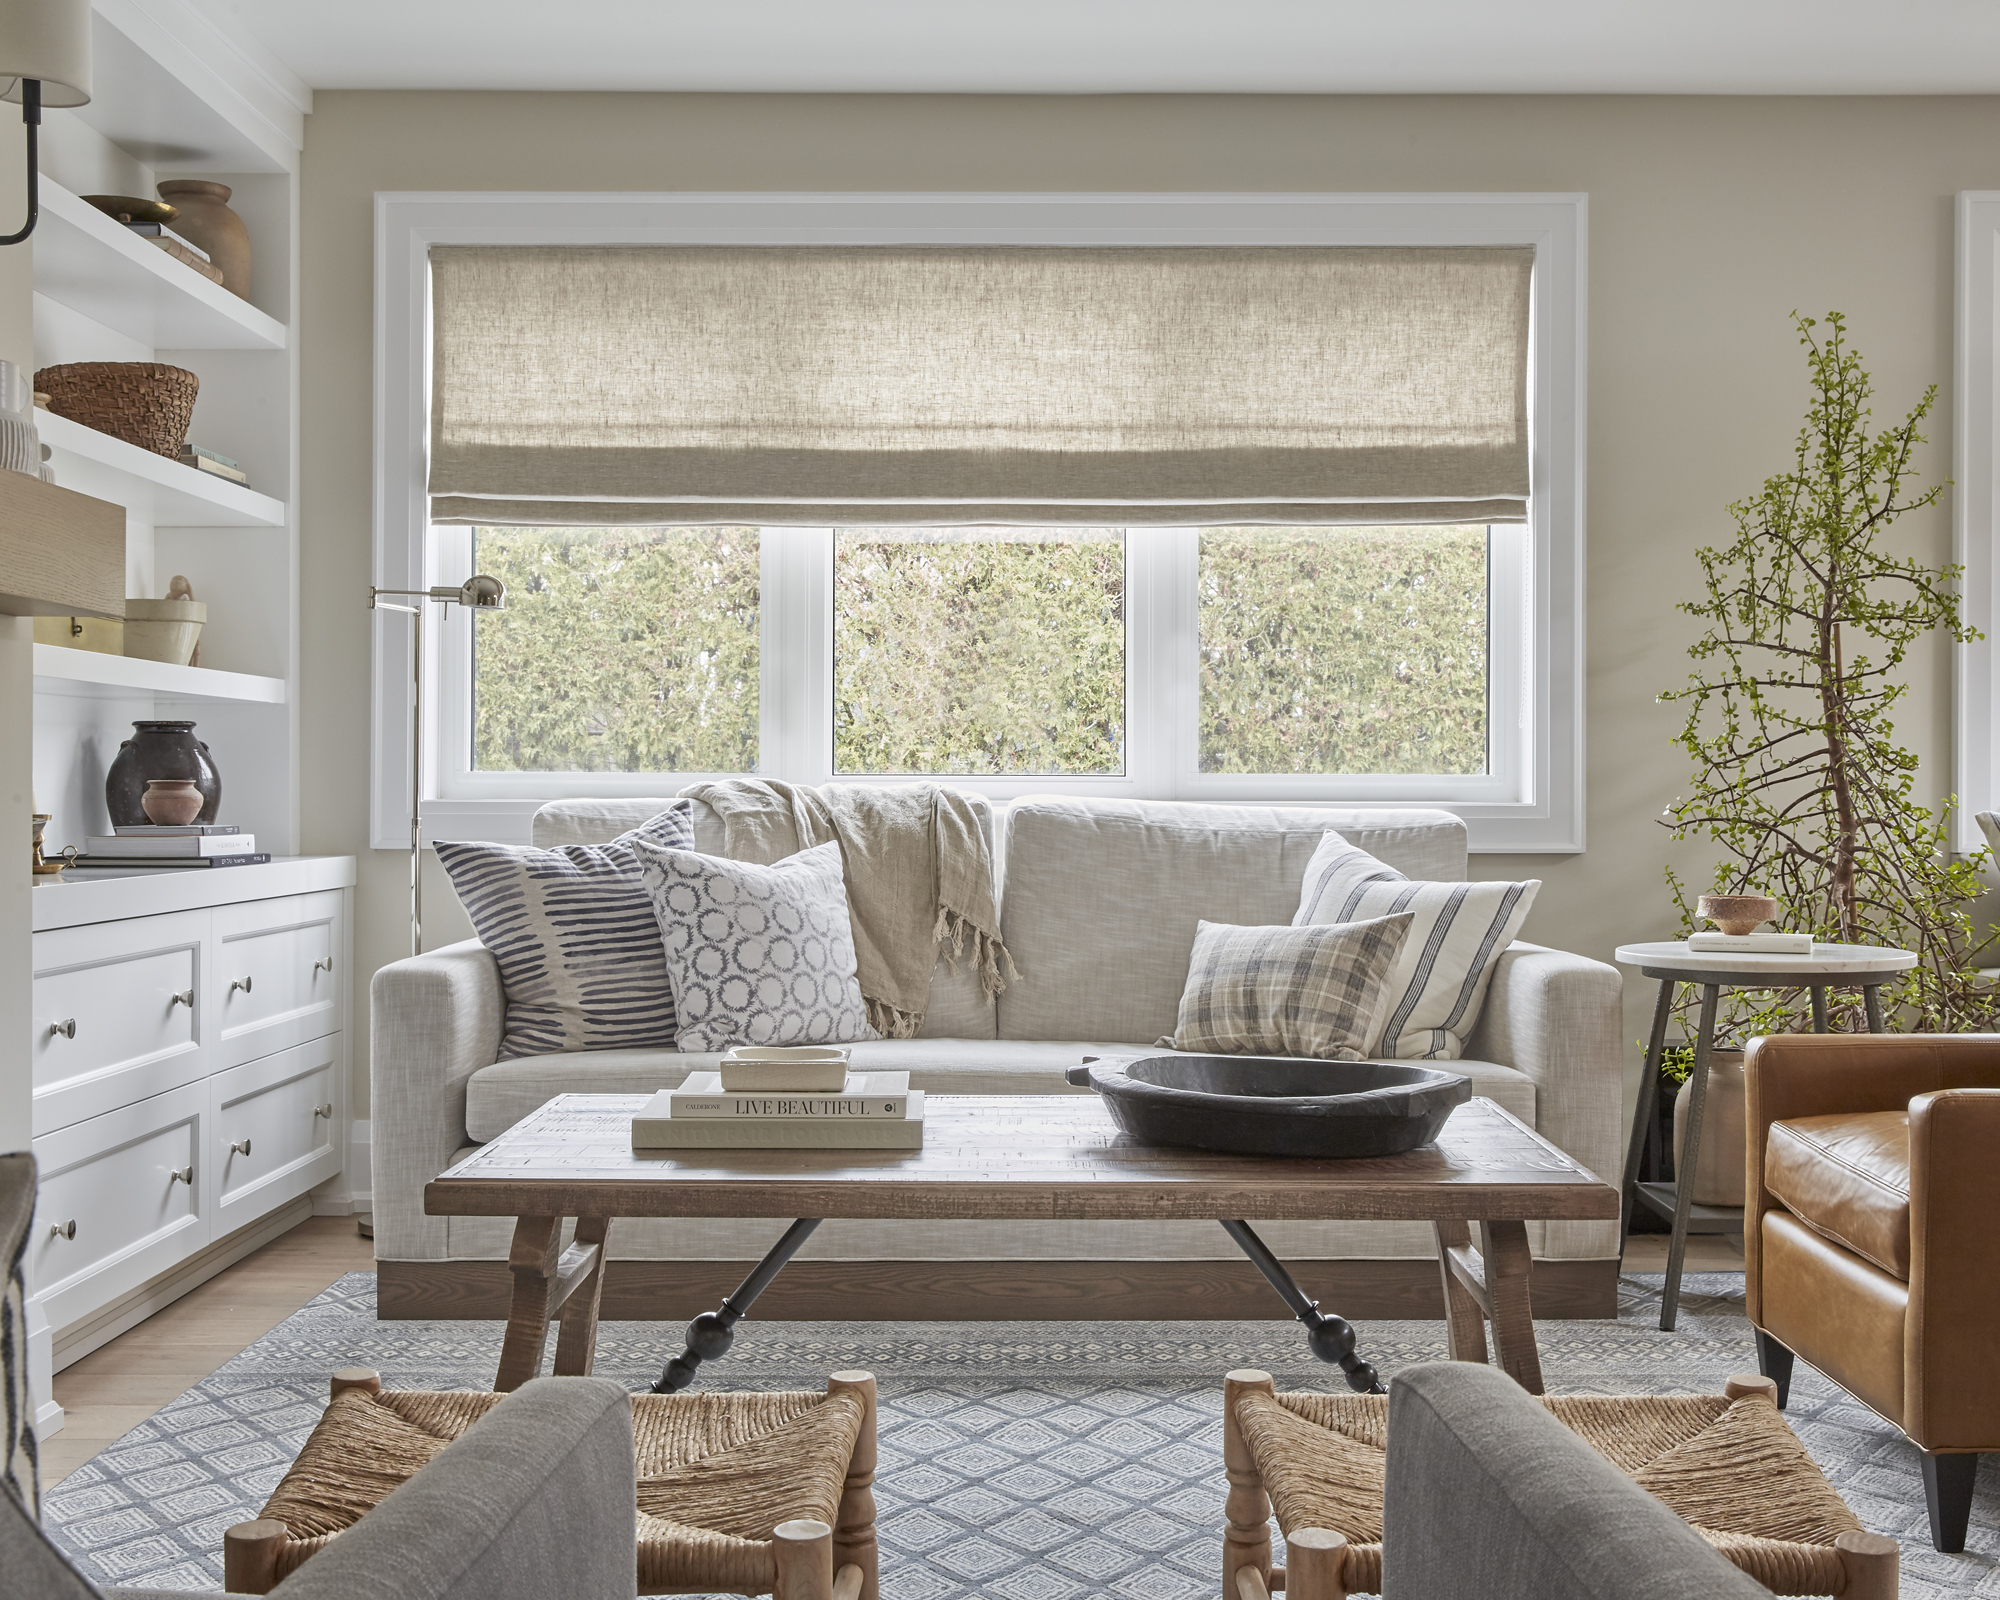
575 937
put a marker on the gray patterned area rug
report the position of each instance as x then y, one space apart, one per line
1019 1460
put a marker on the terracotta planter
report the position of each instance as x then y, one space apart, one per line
171 802
1718 1179
206 220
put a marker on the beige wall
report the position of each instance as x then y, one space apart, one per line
1710 220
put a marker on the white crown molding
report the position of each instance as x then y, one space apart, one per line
235 74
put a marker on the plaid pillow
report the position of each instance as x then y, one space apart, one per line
1310 992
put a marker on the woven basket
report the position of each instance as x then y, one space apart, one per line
142 402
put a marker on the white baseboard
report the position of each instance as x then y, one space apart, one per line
41 1372
49 1420
351 1190
73 1343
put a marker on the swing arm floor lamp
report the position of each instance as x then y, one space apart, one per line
44 61
477 593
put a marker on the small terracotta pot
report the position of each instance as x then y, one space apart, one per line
1718 1175
171 802
207 221
1737 913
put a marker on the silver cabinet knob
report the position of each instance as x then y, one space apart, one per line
183 1175
325 964
184 998
324 1111
239 983
66 1028
241 1147
63 1230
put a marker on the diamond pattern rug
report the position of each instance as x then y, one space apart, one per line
1019 1460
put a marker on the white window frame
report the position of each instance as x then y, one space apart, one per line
1976 510
1530 801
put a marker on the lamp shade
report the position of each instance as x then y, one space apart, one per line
48 40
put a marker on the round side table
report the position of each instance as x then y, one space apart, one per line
1838 966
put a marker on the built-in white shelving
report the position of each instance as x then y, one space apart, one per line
59 670
96 267
161 490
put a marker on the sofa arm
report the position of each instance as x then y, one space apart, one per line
434 1020
1557 1019
1949 1398
537 1498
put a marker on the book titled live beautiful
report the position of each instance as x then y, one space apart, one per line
865 1094
656 1128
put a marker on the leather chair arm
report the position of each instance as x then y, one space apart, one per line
1951 1389
1818 1074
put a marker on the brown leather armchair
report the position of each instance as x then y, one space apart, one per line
1871 1235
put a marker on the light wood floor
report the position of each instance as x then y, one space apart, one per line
121 1384
114 1389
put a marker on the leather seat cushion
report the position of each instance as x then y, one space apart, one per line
1847 1177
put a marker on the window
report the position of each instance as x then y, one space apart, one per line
1417 662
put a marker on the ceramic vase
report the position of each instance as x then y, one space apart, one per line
159 750
206 220
1718 1178
171 802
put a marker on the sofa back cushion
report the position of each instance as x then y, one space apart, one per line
1100 898
959 1008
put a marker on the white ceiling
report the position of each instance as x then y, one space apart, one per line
1117 46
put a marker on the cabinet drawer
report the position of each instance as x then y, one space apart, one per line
120 1202
273 1129
275 978
116 1014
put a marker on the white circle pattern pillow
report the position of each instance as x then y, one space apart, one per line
757 955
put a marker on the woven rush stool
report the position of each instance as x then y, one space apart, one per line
740 1493
1727 1465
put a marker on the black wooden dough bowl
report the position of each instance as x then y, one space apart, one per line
1276 1105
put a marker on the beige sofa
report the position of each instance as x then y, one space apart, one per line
1099 901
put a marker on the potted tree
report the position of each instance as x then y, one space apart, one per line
1798 779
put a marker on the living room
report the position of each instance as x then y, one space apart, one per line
1072 669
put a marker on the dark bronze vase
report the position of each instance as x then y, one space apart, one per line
159 750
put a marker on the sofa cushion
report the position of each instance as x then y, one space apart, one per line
1847 1177
574 936
1312 992
960 1007
1099 898
499 1096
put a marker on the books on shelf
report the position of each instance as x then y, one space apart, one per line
111 865
173 845
656 1128
193 455
1751 944
172 830
865 1094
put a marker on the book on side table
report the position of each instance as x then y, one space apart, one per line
655 1127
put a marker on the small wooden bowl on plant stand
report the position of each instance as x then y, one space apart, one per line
1737 913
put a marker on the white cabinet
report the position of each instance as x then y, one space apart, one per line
190 1070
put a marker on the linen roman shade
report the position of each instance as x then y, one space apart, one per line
868 385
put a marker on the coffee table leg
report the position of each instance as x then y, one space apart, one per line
1464 1317
537 1248
1508 1265
711 1334
576 1344
1331 1338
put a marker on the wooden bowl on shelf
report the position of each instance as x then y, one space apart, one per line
1737 913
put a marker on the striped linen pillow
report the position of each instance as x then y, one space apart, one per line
1456 936
1311 992
574 934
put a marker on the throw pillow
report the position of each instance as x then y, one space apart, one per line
574 936
1310 992
757 955
1456 936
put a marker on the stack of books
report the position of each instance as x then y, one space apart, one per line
214 464
150 848
782 1100
185 251
1752 944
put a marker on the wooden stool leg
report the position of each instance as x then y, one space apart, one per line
250 1556
1508 1265
1315 1565
1246 1538
1871 1562
854 1527
1464 1317
537 1249
1739 1384
803 1551
366 1379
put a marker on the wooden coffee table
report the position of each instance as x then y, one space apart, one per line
1025 1158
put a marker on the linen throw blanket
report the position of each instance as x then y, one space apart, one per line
919 879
